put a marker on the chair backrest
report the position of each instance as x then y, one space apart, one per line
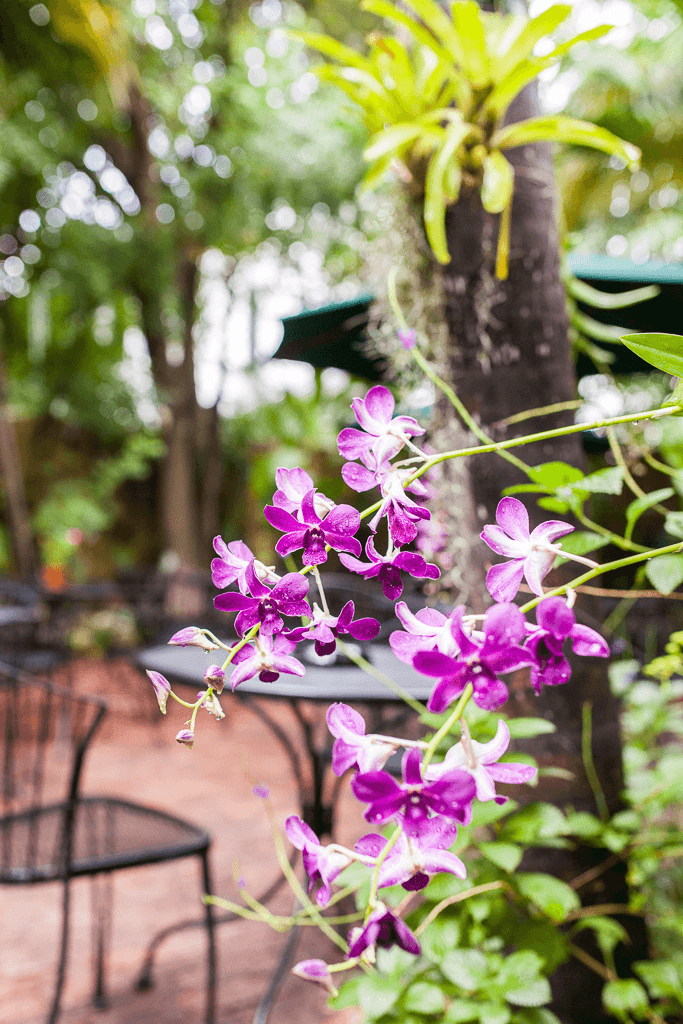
44 734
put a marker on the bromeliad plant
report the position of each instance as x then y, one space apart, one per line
438 957
435 104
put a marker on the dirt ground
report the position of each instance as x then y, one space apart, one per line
135 756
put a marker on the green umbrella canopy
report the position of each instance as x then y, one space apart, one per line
335 334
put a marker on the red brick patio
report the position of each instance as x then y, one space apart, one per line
209 785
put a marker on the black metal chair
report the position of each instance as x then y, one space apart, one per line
48 832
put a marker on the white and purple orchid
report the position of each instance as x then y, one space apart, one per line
382 928
352 747
428 630
413 860
271 656
321 863
480 760
293 486
532 553
383 434
232 564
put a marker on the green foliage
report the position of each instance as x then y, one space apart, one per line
437 105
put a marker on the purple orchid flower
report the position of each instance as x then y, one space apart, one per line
428 630
266 606
293 486
352 747
532 553
162 688
414 859
479 759
451 795
384 436
322 863
480 662
313 533
232 564
557 623
315 970
389 567
273 657
382 928
401 511
325 628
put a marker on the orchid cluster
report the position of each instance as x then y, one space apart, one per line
465 655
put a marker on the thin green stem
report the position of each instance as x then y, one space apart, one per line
370 669
620 563
316 573
458 898
615 448
619 542
447 725
372 898
544 410
588 762
180 700
238 646
661 466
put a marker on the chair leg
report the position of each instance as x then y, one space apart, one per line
101 894
63 951
211 940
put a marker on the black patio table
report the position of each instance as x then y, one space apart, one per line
322 684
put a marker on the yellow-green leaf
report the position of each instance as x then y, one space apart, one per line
333 48
498 183
531 32
440 189
468 25
438 22
567 130
665 351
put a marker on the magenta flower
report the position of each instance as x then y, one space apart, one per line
428 630
557 623
532 553
479 759
266 606
162 688
192 636
383 928
315 970
325 629
479 662
321 863
186 738
388 568
414 859
273 658
293 486
451 795
313 533
384 436
352 748
401 511
408 338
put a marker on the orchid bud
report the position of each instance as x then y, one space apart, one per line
408 338
212 705
261 791
315 970
162 688
186 737
192 636
215 677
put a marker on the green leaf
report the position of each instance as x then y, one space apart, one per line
665 572
424 997
377 993
640 505
608 932
498 183
673 524
553 897
437 195
490 1014
440 938
391 140
609 300
555 474
583 37
533 824
348 995
536 993
584 825
525 728
624 997
438 22
676 396
525 965
462 1010
522 47
665 351
605 481
661 978
581 543
594 328
333 48
566 130
507 88
544 938
537 1016
467 968
467 23
504 855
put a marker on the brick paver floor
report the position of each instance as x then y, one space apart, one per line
136 756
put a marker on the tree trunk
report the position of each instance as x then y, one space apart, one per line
507 351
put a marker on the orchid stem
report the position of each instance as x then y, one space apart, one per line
447 725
